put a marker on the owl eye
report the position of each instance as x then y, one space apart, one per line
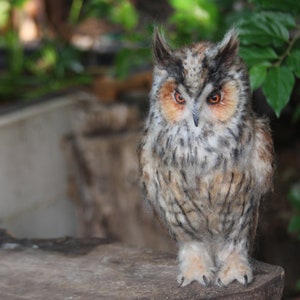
178 98
214 98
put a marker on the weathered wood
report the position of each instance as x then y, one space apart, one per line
111 271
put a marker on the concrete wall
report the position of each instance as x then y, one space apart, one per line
33 172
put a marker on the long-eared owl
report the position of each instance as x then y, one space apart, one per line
206 159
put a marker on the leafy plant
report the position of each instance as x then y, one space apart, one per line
193 20
269 38
120 12
54 65
268 31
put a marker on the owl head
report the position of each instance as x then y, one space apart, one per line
200 82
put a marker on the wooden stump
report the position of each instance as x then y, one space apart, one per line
90 269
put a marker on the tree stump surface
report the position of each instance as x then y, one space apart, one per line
94 269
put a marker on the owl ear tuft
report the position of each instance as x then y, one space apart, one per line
161 50
229 46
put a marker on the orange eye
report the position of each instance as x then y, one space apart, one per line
214 98
178 98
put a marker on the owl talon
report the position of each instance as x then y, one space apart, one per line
235 267
181 283
195 264
205 280
220 283
245 280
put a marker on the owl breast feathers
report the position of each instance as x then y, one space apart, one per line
205 159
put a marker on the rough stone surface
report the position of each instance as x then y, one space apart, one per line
93 269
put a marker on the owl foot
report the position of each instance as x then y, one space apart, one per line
236 267
195 264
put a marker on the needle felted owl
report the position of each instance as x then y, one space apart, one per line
206 159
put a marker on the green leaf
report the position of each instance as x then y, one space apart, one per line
284 19
128 59
15 52
257 76
125 14
265 28
294 196
286 5
5 8
294 224
257 55
194 20
293 61
278 86
18 3
75 11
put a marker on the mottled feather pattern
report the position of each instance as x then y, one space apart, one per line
206 160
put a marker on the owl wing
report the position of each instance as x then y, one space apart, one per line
263 166
263 156
146 171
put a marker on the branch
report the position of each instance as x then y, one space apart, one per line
289 48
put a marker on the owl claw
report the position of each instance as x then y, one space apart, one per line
188 277
205 280
181 282
219 282
195 264
245 280
235 268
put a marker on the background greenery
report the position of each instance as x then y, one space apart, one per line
27 74
268 30
269 39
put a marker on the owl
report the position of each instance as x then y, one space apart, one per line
206 159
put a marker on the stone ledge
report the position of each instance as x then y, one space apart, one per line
94 269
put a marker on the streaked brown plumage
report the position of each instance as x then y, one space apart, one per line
206 159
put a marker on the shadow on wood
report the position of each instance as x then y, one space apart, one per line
111 271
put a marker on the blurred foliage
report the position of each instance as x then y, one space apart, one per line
268 30
294 198
120 12
193 20
269 40
54 66
135 38
4 12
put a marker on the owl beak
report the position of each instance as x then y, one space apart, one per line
196 118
